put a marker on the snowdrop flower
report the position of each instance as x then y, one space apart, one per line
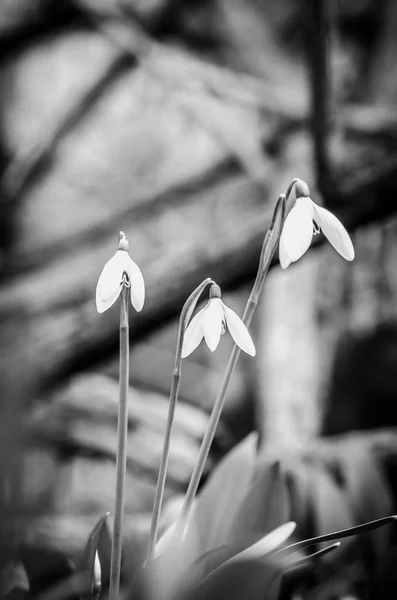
120 270
305 220
211 322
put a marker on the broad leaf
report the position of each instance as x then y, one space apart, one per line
330 507
218 504
265 506
366 489
237 581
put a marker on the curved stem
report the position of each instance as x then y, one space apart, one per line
121 458
268 248
186 313
291 185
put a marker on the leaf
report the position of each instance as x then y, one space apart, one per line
105 550
338 535
262 550
237 581
268 544
91 552
265 506
299 483
366 488
316 555
217 505
330 507
262 507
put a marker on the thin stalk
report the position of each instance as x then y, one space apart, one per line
268 248
321 88
186 313
121 459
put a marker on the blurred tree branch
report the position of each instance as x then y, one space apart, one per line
233 261
232 108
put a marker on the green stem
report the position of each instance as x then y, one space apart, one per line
121 458
268 249
186 313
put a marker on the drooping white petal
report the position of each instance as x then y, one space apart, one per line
137 284
334 231
267 544
110 282
212 325
194 333
297 232
238 331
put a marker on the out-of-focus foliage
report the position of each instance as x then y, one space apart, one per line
246 499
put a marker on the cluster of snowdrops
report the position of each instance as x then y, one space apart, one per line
226 540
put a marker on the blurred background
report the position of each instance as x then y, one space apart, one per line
180 122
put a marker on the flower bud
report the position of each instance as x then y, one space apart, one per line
302 189
215 291
123 242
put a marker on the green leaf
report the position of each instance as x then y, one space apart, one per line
330 507
265 506
237 581
316 555
91 551
338 535
251 515
299 484
365 488
218 504
268 543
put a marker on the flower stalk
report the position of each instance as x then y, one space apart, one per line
121 458
184 318
268 248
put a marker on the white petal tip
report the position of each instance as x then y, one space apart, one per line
335 232
285 264
137 284
212 345
137 295
350 255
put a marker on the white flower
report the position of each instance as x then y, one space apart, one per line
211 322
120 270
305 220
